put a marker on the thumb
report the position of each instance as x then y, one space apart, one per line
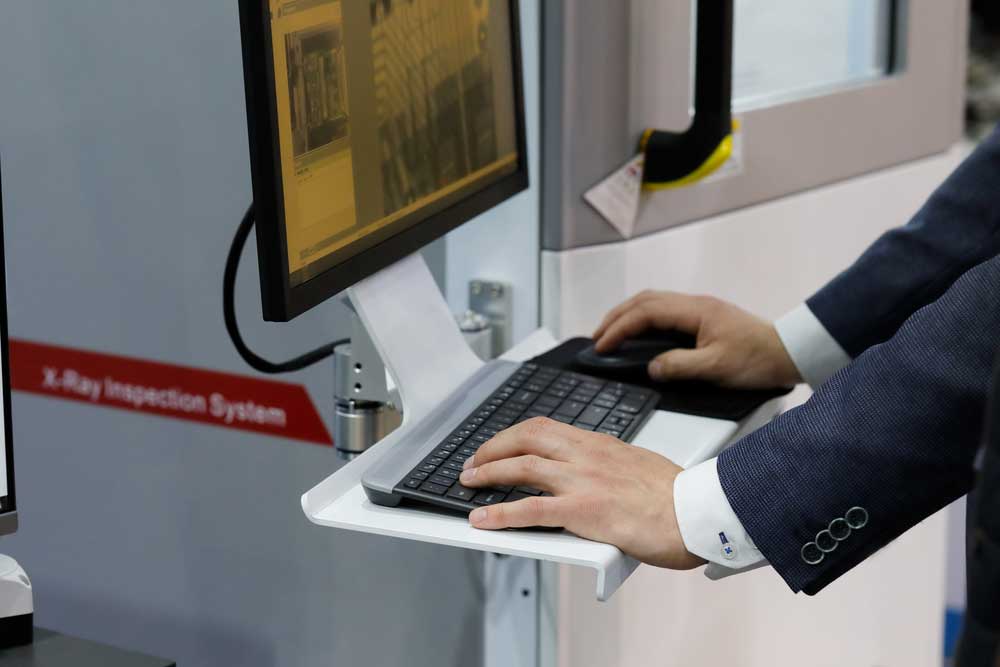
682 364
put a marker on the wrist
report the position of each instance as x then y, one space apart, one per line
785 371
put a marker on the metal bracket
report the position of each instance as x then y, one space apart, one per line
363 407
493 300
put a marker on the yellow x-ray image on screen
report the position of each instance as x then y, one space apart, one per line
387 110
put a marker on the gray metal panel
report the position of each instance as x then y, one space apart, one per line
125 173
788 148
584 112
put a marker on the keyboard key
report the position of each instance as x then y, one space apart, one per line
582 397
601 403
449 473
431 487
427 467
610 431
489 497
530 490
456 440
537 412
454 465
443 453
435 461
413 483
631 408
517 495
565 419
467 451
593 415
581 425
460 458
558 393
525 396
480 438
460 492
570 408
550 402
537 387
636 397
442 480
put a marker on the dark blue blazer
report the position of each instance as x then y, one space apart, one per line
892 437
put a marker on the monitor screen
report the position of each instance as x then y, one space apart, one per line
384 115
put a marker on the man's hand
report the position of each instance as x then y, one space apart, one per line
603 489
734 348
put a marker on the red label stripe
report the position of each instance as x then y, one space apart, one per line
180 392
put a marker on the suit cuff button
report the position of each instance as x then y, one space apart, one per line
811 554
857 518
825 541
839 529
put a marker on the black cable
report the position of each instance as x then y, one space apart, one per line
229 312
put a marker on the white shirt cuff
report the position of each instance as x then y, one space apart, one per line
709 526
815 353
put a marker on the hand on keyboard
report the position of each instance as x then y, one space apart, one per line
601 489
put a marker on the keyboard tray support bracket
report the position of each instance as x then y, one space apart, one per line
423 350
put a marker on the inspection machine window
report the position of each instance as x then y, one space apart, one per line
388 111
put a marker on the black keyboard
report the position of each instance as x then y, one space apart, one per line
583 401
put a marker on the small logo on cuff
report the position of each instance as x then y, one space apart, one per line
728 550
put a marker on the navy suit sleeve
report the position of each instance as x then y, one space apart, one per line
911 266
894 433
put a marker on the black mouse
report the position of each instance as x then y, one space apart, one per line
634 354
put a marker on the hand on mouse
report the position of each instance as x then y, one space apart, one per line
602 489
734 348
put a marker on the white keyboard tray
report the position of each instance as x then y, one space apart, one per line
340 502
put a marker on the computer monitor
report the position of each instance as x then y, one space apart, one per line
376 126
8 504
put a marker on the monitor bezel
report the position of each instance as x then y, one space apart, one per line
8 513
280 300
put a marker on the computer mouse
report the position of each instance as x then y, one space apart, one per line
634 354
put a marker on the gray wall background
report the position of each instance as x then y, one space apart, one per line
124 156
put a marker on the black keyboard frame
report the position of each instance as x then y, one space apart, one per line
512 389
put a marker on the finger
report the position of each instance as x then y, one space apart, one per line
620 310
529 470
681 364
539 436
672 311
534 511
